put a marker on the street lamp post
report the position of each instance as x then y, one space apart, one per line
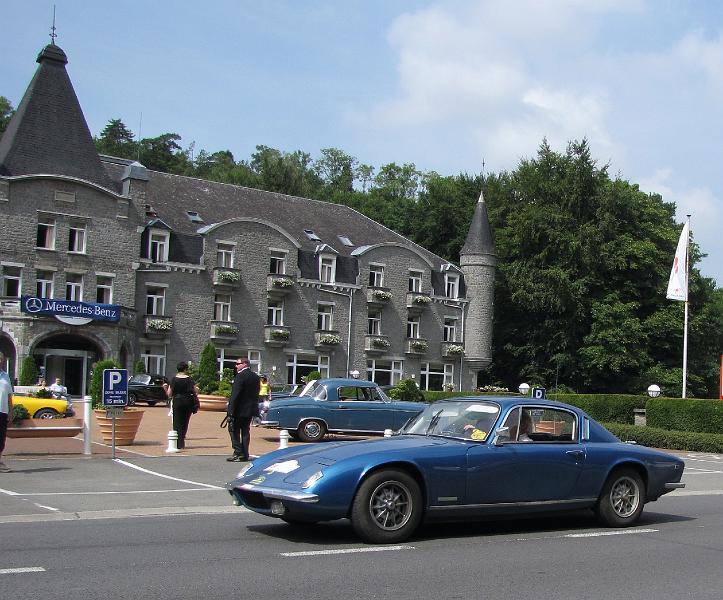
524 388
653 391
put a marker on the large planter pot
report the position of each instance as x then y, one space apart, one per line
38 428
213 403
126 426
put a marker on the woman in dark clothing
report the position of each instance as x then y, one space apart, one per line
184 401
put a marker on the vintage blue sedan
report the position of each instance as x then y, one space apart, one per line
338 406
459 459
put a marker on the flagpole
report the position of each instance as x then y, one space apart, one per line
685 320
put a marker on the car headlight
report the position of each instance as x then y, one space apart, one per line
312 480
244 469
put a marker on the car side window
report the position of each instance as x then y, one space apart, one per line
538 424
552 425
373 394
348 392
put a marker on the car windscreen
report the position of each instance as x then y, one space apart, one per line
463 420
142 379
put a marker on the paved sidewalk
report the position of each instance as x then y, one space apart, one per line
204 437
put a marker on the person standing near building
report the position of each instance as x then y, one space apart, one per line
243 405
183 393
6 409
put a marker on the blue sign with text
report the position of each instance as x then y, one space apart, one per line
68 308
115 387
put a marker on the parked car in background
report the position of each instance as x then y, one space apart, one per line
461 458
45 408
338 406
148 389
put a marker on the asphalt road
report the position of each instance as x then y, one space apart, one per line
102 529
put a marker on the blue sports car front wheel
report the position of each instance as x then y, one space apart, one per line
387 507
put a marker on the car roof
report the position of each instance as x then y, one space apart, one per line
507 401
332 381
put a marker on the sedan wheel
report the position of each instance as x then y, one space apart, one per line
387 508
622 499
46 413
311 431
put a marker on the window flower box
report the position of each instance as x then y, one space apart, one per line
227 330
282 282
419 346
380 343
159 324
226 277
381 295
454 350
421 300
329 339
279 334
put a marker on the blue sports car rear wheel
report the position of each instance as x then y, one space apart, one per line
622 498
387 508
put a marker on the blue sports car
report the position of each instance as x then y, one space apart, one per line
338 406
462 458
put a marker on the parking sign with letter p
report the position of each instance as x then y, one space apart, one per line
115 387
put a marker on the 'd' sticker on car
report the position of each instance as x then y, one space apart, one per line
283 467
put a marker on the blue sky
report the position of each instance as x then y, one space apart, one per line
438 84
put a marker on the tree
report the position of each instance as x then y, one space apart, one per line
164 153
6 113
336 169
28 371
208 370
117 140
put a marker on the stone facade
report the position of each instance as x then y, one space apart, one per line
255 272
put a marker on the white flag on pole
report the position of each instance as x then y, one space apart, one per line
678 282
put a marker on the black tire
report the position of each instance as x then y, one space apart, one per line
622 499
387 508
311 430
293 434
46 413
151 402
131 399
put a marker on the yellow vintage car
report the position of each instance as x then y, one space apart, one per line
45 408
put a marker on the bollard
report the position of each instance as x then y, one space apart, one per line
87 413
172 441
283 439
388 433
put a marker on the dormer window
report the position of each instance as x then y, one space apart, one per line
311 235
327 269
451 285
194 217
158 242
346 241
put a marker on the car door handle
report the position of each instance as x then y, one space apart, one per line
576 453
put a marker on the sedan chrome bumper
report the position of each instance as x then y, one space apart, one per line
276 493
674 486
265 423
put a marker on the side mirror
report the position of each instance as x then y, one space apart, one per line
502 434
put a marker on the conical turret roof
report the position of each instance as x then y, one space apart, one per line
479 237
48 133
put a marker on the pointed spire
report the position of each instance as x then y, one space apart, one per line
479 237
48 133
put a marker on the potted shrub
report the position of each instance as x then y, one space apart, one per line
28 371
127 424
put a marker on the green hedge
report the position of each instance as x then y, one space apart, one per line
705 416
663 438
615 408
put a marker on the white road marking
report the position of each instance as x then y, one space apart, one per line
162 511
604 533
699 471
8 492
346 551
21 570
132 466
110 493
46 507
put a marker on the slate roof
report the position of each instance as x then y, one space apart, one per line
171 196
48 133
479 237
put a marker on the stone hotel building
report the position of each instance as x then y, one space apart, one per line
103 258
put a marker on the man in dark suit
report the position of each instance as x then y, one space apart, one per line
243 406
